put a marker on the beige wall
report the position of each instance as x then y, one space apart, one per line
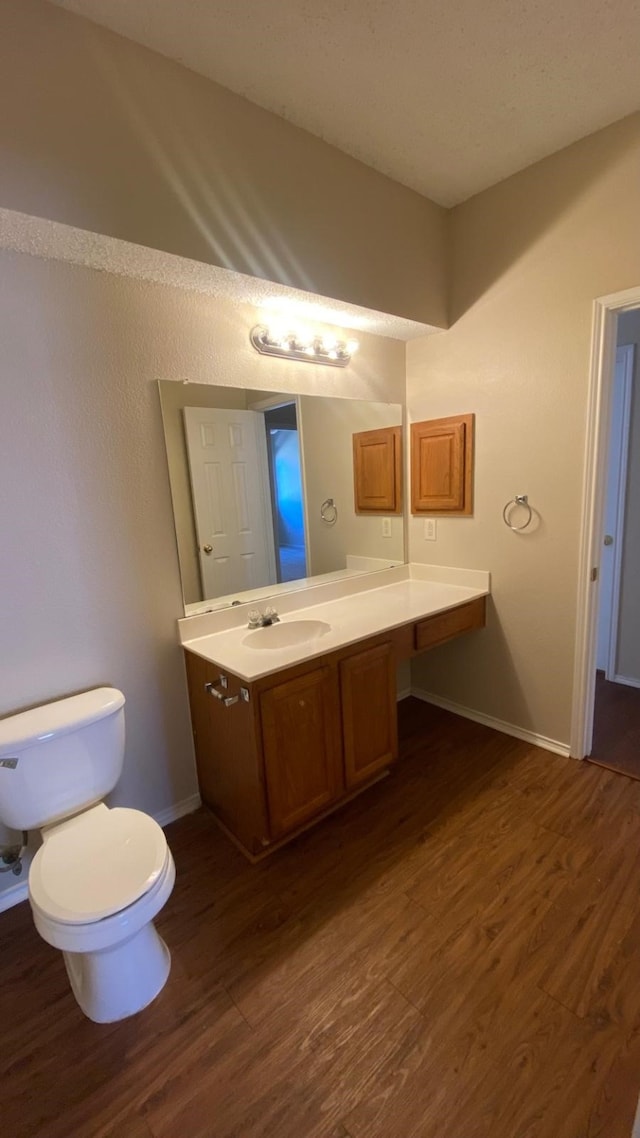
528 258
327 427
88 564
628 648
102 134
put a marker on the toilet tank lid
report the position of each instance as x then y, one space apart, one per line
60 718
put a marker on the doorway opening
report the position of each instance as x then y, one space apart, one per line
616 720
287 499
606 709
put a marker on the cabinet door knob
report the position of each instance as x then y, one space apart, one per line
608 540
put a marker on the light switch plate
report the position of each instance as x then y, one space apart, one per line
430 529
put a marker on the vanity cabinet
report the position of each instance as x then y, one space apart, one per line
280 752
275 754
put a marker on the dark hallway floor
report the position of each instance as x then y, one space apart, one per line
616 727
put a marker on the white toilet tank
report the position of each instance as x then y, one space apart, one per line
61 757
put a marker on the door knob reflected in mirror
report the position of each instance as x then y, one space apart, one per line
608 540
207 549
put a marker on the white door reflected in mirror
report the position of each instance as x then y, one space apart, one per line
231 499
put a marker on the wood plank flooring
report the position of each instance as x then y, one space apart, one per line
455 954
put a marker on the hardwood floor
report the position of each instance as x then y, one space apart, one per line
616 727
455 954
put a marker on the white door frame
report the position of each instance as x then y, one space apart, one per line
603 351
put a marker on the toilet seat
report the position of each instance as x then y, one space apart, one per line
94 936
96 864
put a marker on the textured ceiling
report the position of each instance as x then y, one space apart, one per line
446 96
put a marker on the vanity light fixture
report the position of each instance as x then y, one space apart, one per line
310 347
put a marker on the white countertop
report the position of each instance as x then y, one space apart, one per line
350 618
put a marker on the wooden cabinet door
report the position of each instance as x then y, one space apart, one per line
442 465
369 714
302 748
377 470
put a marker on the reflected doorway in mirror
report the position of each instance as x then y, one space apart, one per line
287 500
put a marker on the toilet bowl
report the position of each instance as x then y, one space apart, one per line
101 875
95 886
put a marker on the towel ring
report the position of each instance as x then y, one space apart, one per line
329 512
519 500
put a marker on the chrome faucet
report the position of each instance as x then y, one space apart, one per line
259 619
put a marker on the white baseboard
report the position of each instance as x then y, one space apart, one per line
178 810
403 694
497 724
14 894
629 681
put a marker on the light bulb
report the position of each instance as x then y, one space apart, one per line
352 346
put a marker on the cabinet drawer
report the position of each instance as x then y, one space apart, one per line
437 629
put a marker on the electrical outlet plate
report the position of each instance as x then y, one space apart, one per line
430 529
386 527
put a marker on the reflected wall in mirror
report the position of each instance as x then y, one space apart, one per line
262 485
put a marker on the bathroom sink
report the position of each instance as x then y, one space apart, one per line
288 634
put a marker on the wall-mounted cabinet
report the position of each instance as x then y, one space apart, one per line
442 466
377 471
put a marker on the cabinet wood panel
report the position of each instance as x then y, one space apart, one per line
442 465
377 470
302 748
369 719
228 757
437 629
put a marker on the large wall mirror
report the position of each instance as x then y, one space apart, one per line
265 489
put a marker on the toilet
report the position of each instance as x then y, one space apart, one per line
101 875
